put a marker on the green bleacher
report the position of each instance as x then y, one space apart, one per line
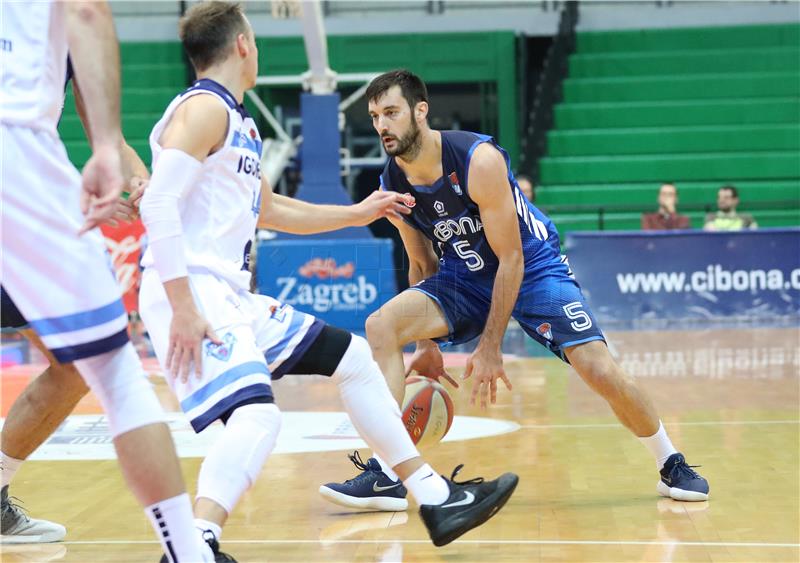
697 106
152 73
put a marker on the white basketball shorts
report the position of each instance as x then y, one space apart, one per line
262 340
62 283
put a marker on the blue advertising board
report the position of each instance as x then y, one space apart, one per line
339 281
695 275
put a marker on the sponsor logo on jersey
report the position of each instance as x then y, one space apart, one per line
447 229
439 207
545 330
223 351
250 166
455 183
6 45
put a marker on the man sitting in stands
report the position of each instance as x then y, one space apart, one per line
666 218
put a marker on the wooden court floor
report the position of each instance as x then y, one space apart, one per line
729 399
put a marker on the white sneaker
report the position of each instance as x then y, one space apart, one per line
17 527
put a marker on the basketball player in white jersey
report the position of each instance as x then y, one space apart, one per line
54 265
221 345
51 396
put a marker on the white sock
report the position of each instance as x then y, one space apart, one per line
427 486
386 469
370 405
8 467
173 522
659 445
208 526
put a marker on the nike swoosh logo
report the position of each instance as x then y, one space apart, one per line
468 499
378 489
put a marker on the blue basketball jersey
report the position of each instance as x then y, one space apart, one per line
446 214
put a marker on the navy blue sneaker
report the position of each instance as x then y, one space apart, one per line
680 482
470 504
371 490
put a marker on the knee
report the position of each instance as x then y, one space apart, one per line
380 330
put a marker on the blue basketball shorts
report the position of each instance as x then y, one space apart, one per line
551 309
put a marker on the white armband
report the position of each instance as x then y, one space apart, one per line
173 176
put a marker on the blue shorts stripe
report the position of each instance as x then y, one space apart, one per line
225 378
299 350
69 354
244 395
294 325
582 341
79 321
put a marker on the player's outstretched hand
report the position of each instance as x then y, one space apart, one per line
428 361
186 334
128 208
380 204
102 185
485 366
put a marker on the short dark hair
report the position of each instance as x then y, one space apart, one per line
732 189
411 86
207 29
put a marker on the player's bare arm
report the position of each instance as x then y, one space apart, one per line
490 190
134 171
290 215
95 58
422 263
197 128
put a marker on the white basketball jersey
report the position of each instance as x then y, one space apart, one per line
33 63
220 210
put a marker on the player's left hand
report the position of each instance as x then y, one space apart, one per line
485 366
380 204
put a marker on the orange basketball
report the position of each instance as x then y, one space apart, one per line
427 410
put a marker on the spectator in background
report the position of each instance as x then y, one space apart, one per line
526 185
726 218
666 218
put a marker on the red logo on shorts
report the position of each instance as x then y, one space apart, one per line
253 133
545 330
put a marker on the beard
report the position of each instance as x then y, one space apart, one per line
408 146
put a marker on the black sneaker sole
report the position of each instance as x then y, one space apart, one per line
456 527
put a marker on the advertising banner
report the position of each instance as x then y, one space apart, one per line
339 281
124 243
681 275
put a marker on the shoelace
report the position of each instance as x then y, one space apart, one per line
685 469
12 504
209 537
355 457
475 481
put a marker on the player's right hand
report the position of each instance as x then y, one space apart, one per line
187 331
102 186
428 361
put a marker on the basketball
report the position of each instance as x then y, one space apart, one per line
427 410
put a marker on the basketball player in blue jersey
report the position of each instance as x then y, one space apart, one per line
220 345
500 258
